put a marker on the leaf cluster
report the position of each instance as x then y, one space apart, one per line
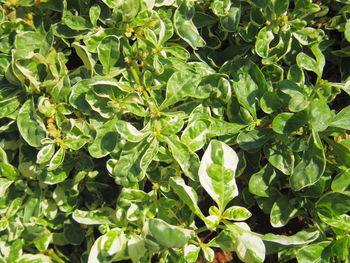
168 130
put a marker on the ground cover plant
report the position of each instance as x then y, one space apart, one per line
174 131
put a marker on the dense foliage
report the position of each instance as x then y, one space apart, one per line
174 130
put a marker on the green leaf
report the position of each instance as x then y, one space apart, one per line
104 215
341 152
249 248
312 165
252 141
275 8
187 194
106 139
109 247
94 14
191 253
4 185
182 84
133 162
236 213
270 102
84 55
217 173
319 114
297 98
333 207
288 122
28 42
57 160
312 253
260 182
167 235
249 84
188 160
38 258
76 22
347 30
73 233
130 133
280 157
301 238
225 240
278 51
204 128
184 26
341 181
342 119
231 21
108 52
30 127
281 212
220 7
136 248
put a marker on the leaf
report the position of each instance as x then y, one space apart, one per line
281 212
136 248
341 152
27 42
109 247
108 52
231 21
225 240
29 126
204 128
184 26
273 54
249 84
341 181
277 7
319 114
347 30
333 207
57 160
297 98
236 213
26 258
188 160
301 238
342 119
4 185
84 55
306 62
130 133
133 162
260 183
280 157
94 14
220 7
312 165
106 139
252 141
312 253
217 173
182 84
249 248
73 233
104 215
168 235
187 194
76 22
288 122
191 253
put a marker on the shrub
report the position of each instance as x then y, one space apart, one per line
174 130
